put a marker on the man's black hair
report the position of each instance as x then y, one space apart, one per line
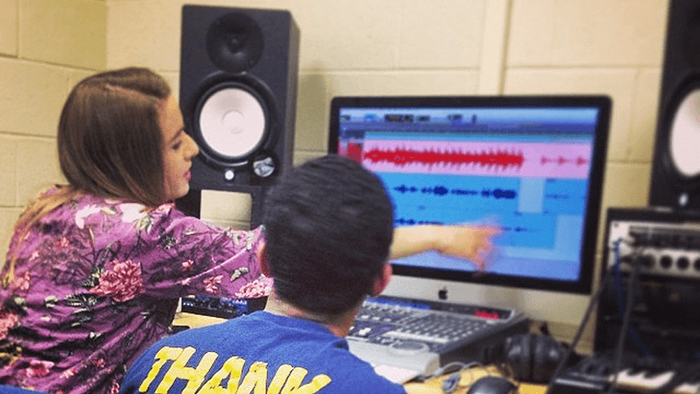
328 228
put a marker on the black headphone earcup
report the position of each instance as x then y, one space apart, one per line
541 351
532 358
548 354
518 356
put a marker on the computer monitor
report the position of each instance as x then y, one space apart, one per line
532 165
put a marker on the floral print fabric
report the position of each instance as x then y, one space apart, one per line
98 280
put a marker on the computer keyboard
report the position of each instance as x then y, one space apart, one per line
421 336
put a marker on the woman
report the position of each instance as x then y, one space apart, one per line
95 268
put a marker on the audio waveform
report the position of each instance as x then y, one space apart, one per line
516 229
495 193
554 196
440 190
505 229
413 222
500 159
477 158
354 152
561 160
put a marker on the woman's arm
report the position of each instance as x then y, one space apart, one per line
470 242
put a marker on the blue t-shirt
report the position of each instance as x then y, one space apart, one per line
257 353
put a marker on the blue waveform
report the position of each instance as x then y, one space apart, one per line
411 222
461 192
495 193
437 190
499 193
562 196
516 229
406 189
440 190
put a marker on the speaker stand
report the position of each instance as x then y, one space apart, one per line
191 203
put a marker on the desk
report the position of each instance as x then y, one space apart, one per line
193 320
432 386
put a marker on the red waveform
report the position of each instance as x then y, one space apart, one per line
579 161
402 156
355 152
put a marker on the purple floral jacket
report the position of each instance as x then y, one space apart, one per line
98 280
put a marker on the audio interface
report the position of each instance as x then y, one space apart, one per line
654 315
662 242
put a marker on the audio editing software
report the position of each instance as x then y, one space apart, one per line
526 170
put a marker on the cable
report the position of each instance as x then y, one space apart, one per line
450 383
595 298
619 350
454 367
621 302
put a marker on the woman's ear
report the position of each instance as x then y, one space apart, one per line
383 280
262 258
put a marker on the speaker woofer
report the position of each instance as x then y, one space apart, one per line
675 172
684 137
232 123
235 42
680 142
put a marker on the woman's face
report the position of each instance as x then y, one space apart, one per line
178 150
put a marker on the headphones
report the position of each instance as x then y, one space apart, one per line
532 357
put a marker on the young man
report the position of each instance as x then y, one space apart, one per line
328 229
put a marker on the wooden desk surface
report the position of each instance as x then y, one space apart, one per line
193 320
432 386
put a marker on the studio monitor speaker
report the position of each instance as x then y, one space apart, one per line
675 180
238 88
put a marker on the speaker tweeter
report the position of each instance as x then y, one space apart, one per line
235 42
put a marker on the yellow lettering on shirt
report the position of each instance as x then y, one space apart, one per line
255 380
297 375
232 368
180 370
278 380
163 355
287 379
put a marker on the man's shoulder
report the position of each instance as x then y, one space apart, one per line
257 351
355 375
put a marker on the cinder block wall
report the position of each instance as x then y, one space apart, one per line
46 46
348 47
448 47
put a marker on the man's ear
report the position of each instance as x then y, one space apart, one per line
383 280
262 259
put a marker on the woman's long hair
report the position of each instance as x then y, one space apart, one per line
109 144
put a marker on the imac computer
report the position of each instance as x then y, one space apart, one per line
532 165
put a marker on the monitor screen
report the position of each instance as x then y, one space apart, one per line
532 165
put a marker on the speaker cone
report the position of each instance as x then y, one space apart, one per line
232 123
675 172
684 137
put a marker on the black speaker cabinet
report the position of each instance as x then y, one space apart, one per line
675 180
238 88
